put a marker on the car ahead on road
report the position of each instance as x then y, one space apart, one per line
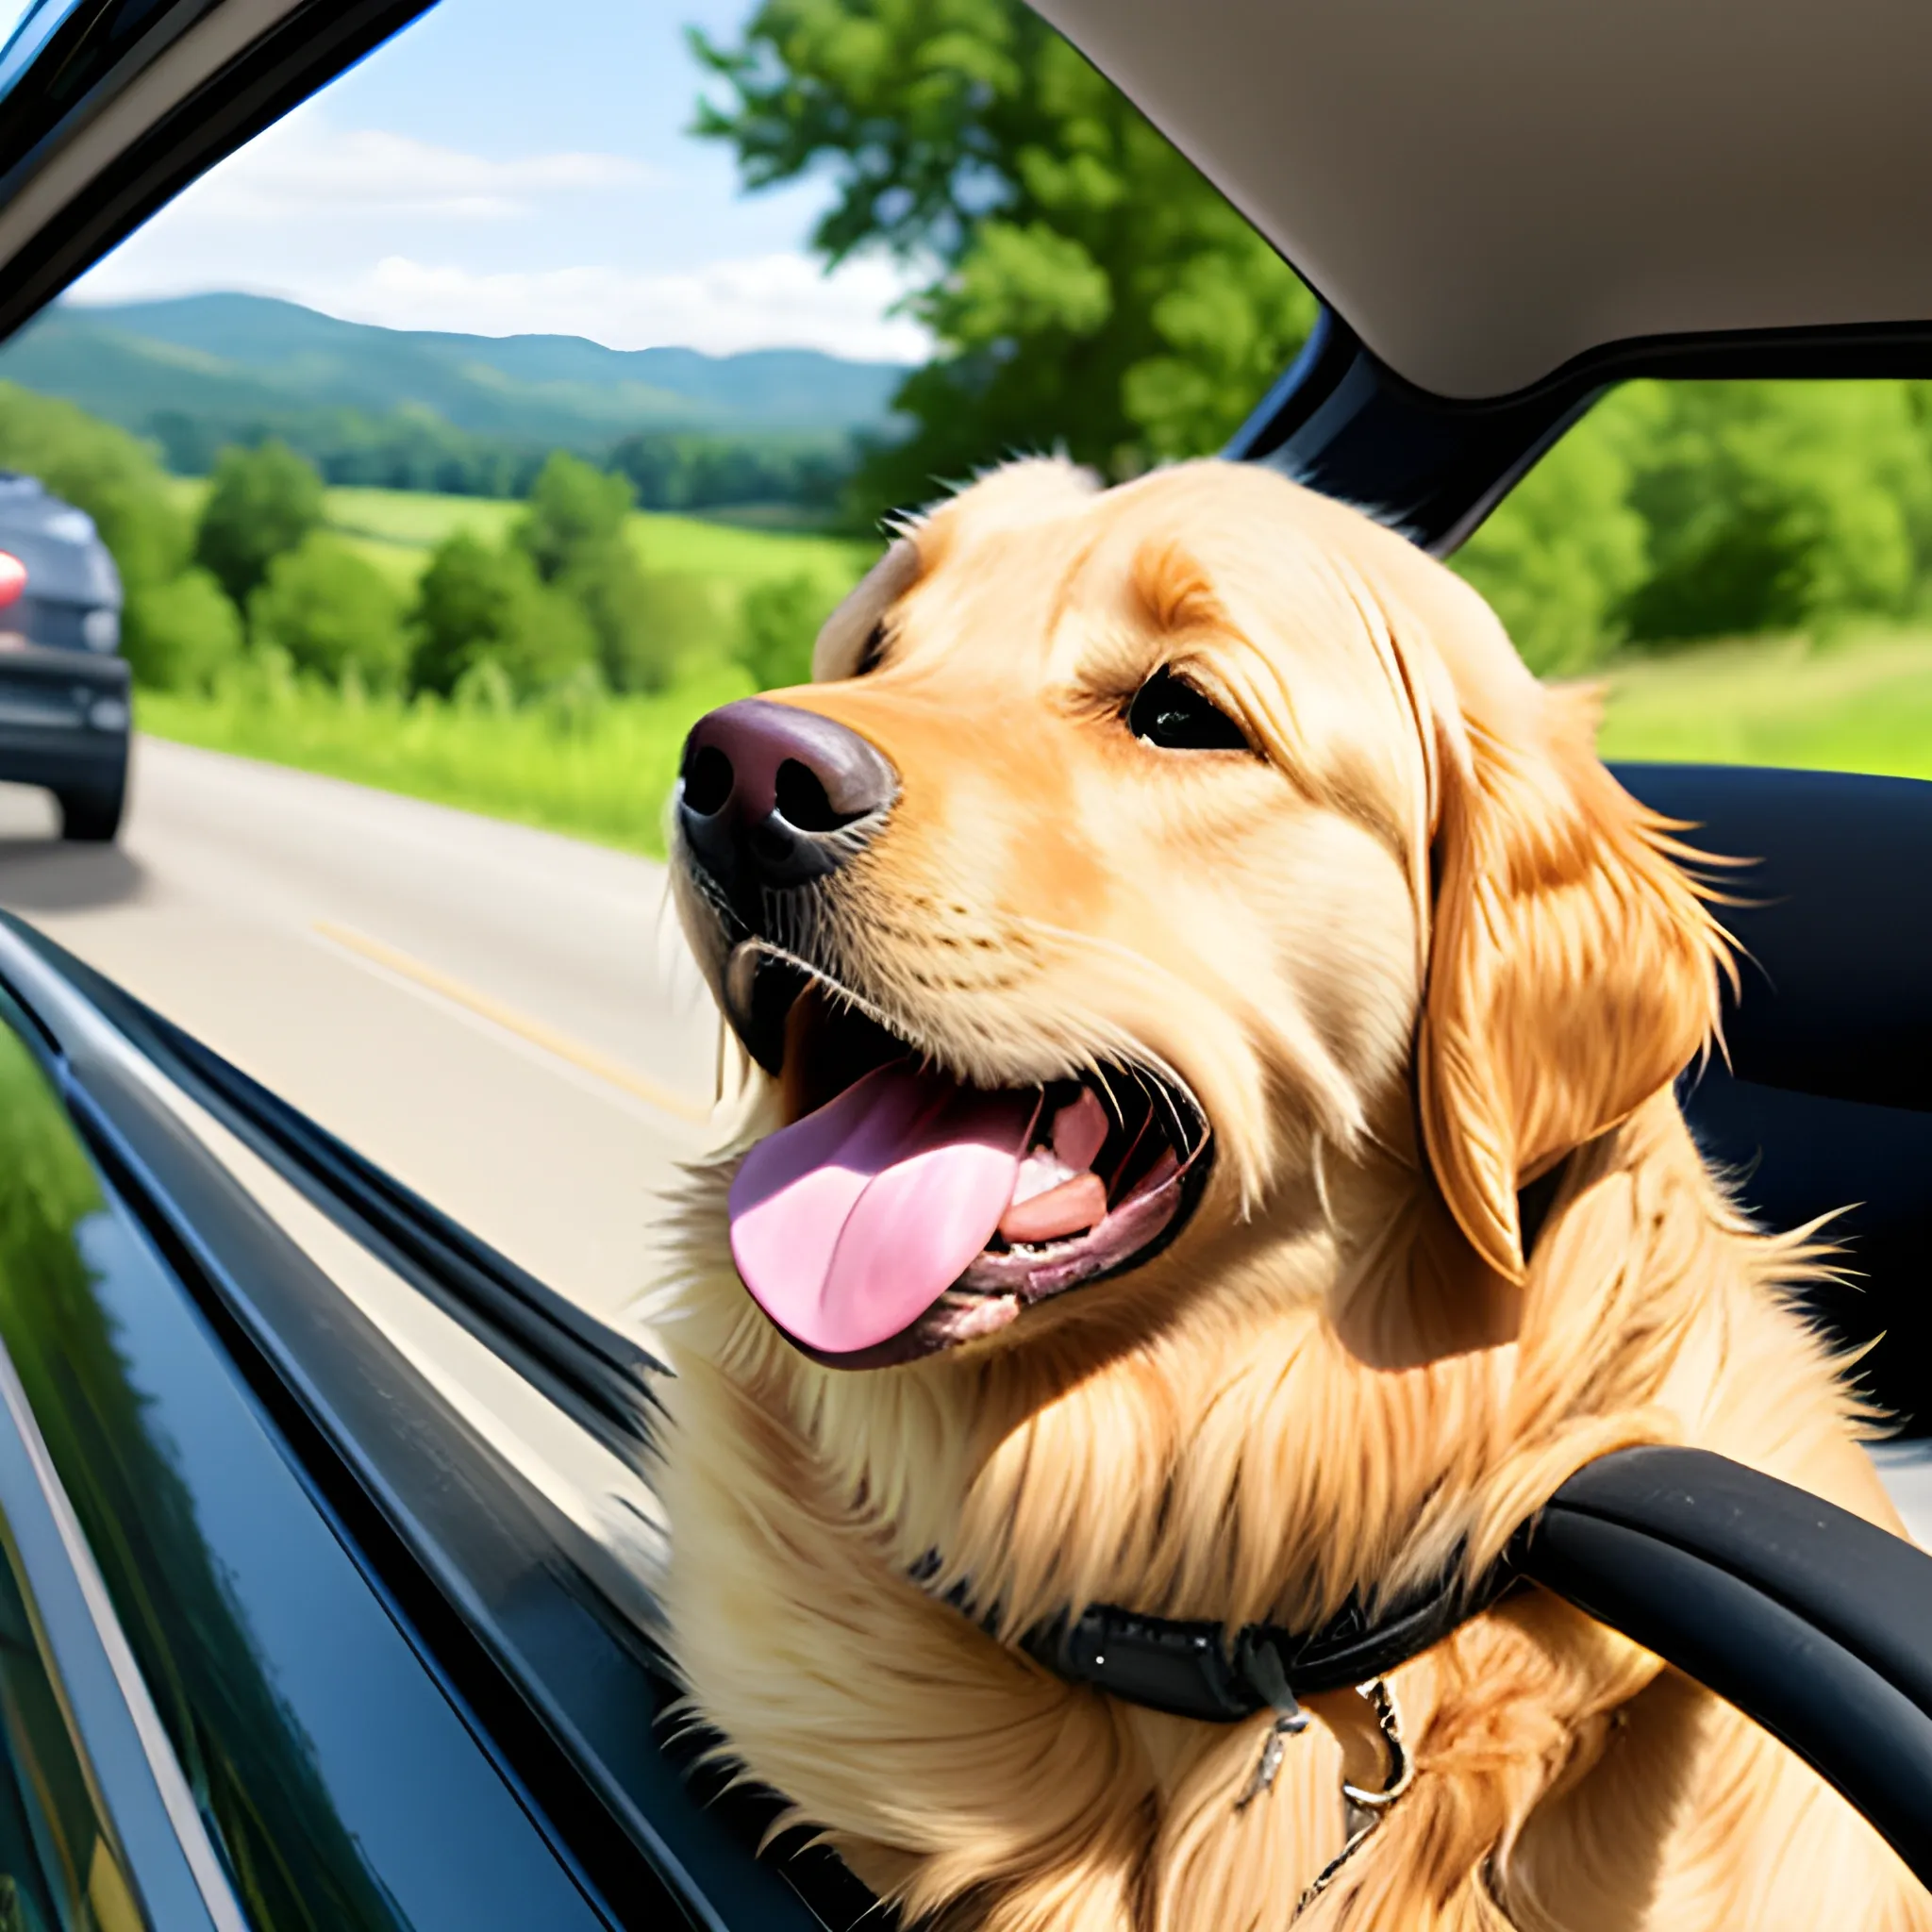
326 1536
64 716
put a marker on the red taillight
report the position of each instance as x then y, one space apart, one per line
12 578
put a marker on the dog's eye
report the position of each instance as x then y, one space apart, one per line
1167 712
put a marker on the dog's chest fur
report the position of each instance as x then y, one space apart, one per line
1241 1462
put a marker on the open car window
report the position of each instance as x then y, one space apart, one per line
423 472
476 427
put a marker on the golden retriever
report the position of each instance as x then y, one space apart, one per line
1205 817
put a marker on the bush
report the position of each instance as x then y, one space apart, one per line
475 602
635 648
333 613
182 634
262 505
1776 506
778 627
575 513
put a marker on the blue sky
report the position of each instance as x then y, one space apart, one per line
502 167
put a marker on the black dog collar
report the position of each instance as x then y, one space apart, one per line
1194 1670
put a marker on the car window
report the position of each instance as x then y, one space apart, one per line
439 459
1746 565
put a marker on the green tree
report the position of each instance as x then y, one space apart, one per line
635 648
575 510
574 532
777 626
332 611
1089 287
261 505
1776 506
479 604
181 634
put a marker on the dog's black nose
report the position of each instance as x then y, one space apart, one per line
771 796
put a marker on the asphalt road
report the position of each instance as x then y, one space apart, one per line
504 1019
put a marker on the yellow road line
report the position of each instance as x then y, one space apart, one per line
535 1031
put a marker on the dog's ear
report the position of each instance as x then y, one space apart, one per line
1574 965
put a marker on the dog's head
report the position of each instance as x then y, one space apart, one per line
1133 854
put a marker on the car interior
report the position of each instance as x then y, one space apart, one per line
468 1446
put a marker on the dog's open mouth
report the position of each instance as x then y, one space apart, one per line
903 1210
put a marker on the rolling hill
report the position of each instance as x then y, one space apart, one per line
234 365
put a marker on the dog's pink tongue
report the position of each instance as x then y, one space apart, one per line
847 1226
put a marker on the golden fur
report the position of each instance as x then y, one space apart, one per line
1415 953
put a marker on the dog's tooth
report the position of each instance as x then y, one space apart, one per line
1040 1171
1071 1207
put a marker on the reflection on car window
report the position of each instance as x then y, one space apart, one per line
55 1858
1748 564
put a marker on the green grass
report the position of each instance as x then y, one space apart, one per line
396 529
409 523
602 776
1863 705
684 546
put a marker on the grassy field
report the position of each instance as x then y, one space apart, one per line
1863 705
396 529
603 776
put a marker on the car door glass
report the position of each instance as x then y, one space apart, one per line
464 439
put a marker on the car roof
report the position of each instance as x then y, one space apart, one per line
1488 190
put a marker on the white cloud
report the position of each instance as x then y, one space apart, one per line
305 168
765 301
380 226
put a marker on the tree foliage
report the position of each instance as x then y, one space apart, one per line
479 604
262 503
574 533
777 626
332 612
187 633
1088 286
1675 512
1776 506
681 469
575 510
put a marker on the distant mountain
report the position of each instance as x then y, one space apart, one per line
236 364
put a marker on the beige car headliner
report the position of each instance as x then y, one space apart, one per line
1485 189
